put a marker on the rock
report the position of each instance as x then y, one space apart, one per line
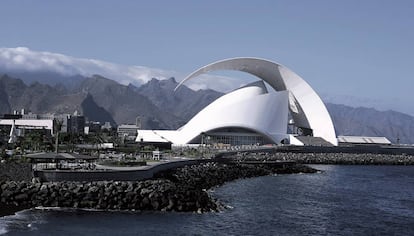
21 197
155 204
43 188
7 193
4 186
170 205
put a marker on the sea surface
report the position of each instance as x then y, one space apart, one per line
340 200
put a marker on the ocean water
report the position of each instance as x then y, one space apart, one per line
340 200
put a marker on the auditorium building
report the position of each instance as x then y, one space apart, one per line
280 107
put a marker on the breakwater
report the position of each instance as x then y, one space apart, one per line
183 189
15 171
327 158
118 174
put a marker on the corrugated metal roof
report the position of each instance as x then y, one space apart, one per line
363 140
152 136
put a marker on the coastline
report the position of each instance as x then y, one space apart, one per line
6 210
182 190
326 158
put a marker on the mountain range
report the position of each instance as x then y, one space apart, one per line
159 107
102 99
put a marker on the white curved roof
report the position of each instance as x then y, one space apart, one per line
250 107
307 109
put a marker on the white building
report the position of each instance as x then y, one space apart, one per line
252 114
29 124
127 130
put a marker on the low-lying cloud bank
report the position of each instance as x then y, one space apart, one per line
22 59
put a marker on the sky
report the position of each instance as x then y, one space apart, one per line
343 48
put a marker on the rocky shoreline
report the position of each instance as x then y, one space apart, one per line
182 190
328 158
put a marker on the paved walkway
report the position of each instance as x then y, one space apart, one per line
150 164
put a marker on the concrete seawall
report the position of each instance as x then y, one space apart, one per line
118 174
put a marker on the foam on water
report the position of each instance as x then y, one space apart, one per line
21 221
3 229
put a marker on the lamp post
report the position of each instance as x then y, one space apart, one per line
202 145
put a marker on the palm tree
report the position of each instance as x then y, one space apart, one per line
58 126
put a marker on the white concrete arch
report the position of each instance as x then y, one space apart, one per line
307 109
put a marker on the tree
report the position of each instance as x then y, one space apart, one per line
58 126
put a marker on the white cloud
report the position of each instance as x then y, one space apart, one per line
25 60
216 82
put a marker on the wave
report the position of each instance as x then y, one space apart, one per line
71 209
25 220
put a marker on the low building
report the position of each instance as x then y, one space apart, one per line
93 127
24 121
127 130
157 155
74 124
362 140
28 124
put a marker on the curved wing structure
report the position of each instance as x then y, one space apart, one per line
306 107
